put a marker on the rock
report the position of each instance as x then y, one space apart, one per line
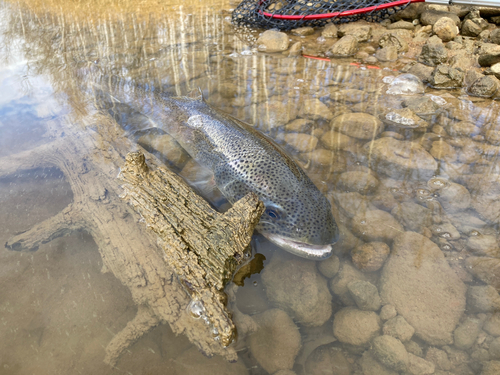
494 350
492 324
272 41
400 159
454 197
351 204
295 49
484 245
430 17
344 47
361 32
329 267
276 342
489 54
445 230
445 28
365 294
412 215
387 312
334 140
302 31
491 368
419 266
315 110
413 348
419 366
493 136
433 52
376 225
390 352
301 142
485 86
399 328
495 36
466 333
350 96
462 128
357 125
371 256
470 28
421 105
422 71
295 286
355 327
405 118
401 25
485 269
483 299
439 358
330 31
389 53
274 114
406 84
445 77
361 182
393 39
326 158
442 150
346 275
192 362
327 359
370 366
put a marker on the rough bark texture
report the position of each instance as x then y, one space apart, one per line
171 274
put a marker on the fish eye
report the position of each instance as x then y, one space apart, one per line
274 214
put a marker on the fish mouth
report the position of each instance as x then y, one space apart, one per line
301 249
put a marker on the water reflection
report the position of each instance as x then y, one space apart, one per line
414 176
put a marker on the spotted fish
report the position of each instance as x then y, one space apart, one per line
297 218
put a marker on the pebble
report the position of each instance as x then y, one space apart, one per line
346 275
358 125
303 31
399 328
439 358
445 28
419 366
420 266
272 41
494 350
344 47
329 267
361 32
412 347
330 31
310 304
370 257
365 295
433 52
486 269
276 342
355 327
466 333
370 365
454 198
390 352
376 225
389 53
314 109
412 215
387 312
301 142
334 140
483 298
361 182
393 40
492 324
327 359
484 245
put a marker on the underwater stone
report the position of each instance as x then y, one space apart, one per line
376 225
272 41
365 294
327 359
391 352
371 256
399 328
355 327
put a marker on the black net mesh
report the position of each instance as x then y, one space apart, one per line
262 13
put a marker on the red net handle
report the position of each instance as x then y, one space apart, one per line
345 13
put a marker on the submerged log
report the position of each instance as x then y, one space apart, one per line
173 273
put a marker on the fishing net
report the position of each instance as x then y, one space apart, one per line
290 14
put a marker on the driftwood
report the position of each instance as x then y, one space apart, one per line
147 263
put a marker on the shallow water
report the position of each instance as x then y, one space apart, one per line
59 311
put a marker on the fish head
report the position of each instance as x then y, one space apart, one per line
301 222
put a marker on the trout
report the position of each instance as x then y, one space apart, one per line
297 217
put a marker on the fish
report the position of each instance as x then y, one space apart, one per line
297 217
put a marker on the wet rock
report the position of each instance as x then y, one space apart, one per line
433 52
346 275
361 32
193 362
335 162
492 324
412 215
389 53
446 77
494 350
399 328
439 358
454 198
326 360
387 312
315 110
422 71
400 159
371 256
445 28
390 352
276 342
393 39
357 125
401 25
430 17
355 327
485 86
272 41
462 128
419 366
470 28
466 333
330 31
442 150
275 113
376 225
361 182
351 204
309 304
405 118
301 142
295 49
334 140
421 105
406 84
495 36
299 125
493 136
344 47
370 366
485 269
489 54
483 299
351 96
484 245
418 265
413 348
303 31
365 294
445 230
491 368
329 267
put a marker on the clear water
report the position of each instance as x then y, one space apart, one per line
58 311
